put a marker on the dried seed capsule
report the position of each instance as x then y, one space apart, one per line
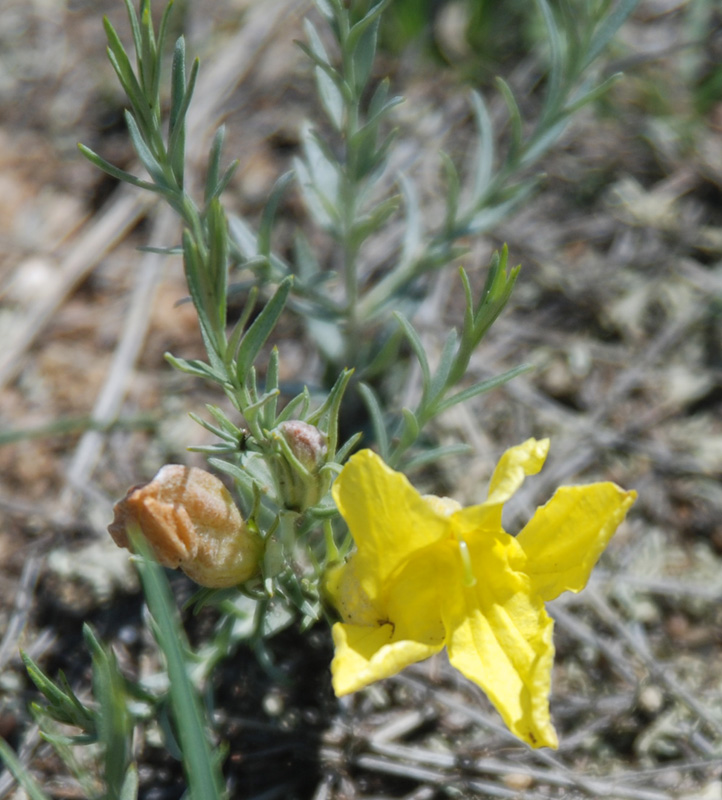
190 521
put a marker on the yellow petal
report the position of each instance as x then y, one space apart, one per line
412 601
366 654
565 538
516 463
505 646
482 520
344 590
388 518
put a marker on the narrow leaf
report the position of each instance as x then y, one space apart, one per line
176 141
434 455
20 772
482 387
194 367
515 121
200 766
485 156
114 724
265 227
177 83
214 164
129 790
556 66
377 419
418 348
120 174
261 329
440 381
608 28
149 161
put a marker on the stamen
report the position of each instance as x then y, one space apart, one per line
469 577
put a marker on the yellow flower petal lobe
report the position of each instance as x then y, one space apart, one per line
366 654
504 645
516 463
565 538
343 586
388 518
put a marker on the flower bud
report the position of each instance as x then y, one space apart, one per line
301 455
189 519
306 442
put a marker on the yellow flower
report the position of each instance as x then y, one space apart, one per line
429 574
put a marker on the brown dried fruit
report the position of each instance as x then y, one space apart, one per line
190 521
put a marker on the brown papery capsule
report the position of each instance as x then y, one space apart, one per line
189 520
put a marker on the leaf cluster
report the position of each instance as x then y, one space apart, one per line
118 705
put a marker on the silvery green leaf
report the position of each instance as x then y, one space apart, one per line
243 236
176 139
515 122
327 337
178 84
488 218
377 419
316 208
261 328
371 222
361 43
610 25
439 381
331 98
411 429
485 152
416 345
365 53
306 263
118 173
20 772
555 82
314 42
129 789
195 367
115 725
147 159
414 224
483 386
123 69
539 146
453 189
300 403
326 8
263 239
214 163
590 95
321 165
434 455
330 409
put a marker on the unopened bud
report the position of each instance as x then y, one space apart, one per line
306 442
298 463
189 519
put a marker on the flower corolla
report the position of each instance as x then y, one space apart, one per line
429 574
